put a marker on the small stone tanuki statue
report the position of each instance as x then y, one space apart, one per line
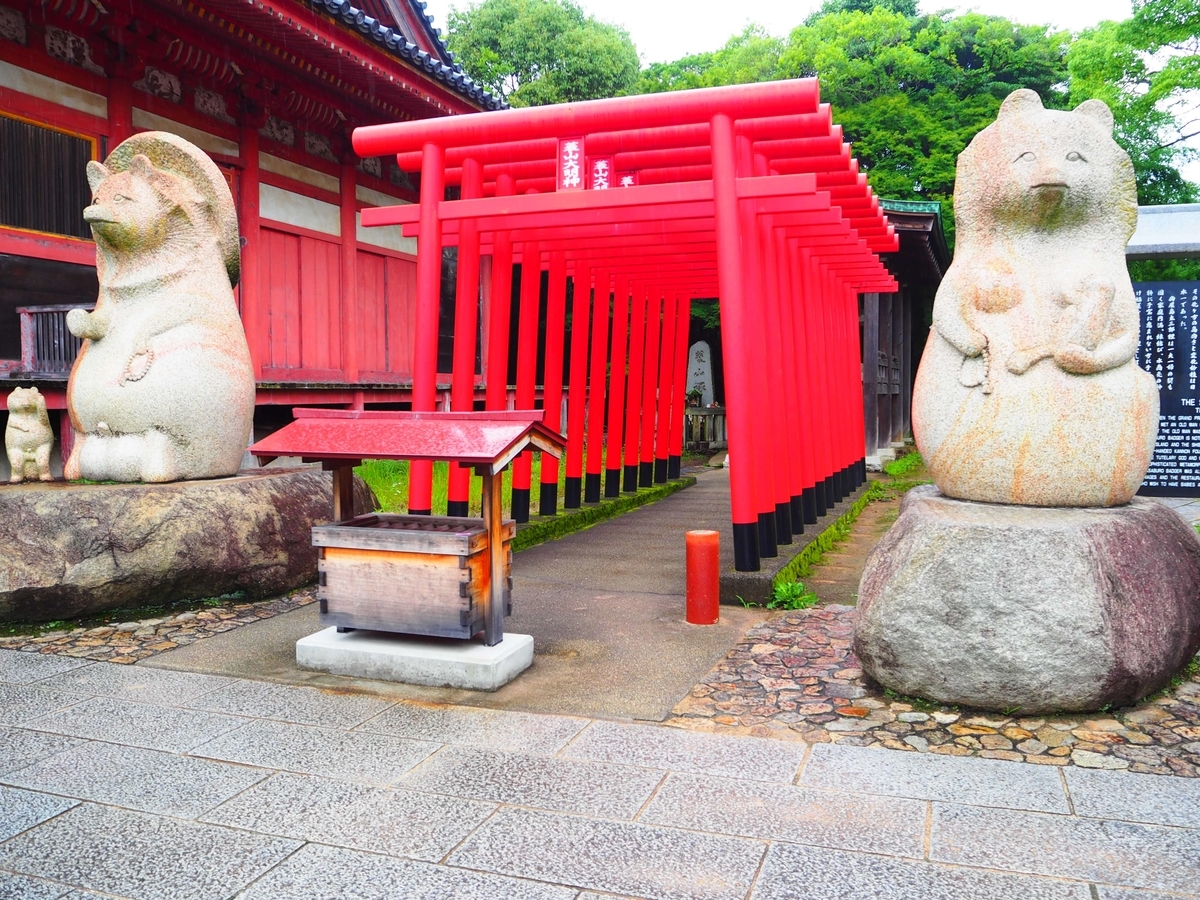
163 389
1027 392
28 437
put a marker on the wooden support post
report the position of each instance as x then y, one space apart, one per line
343 490
493 521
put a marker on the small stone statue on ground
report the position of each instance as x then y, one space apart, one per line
1027 392
163 389
28 438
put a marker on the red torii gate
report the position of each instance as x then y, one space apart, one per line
746 193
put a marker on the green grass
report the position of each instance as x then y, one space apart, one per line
388 479
791 595
905 464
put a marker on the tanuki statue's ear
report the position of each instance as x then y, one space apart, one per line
141 167
1098 110
96 173
1019 102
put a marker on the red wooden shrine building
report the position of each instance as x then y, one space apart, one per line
271 89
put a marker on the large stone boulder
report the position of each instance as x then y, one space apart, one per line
1002 607
70 550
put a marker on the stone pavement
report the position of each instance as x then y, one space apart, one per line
124 781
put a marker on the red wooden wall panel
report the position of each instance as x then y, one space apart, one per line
301 286
401 315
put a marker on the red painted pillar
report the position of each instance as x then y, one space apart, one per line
650 369
666 383
596 393
783 459
527 353
790 370
815 338
633 403
120 109
854 368
248 225
762 397
466 325
616 388
805 402
349 229
577 398
429 276
738 390
679 387
499 310
552 379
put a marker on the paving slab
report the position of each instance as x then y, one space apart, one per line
22 668
332 873
494 729
1155 799
982 782
136 854
1119 893
808 873
20 810
522 779
659 863
137 724
1126 853
21 703
780 812
393 822
20 747
135 683
146 780
687 751
22 887
328 752
341 709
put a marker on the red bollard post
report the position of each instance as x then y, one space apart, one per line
703 577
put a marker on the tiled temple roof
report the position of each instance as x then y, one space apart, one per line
383 28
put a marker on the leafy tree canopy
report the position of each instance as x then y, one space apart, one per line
748 57
535 52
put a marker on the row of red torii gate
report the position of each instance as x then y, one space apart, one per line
745 193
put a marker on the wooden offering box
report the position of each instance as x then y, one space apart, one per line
425 575
411 574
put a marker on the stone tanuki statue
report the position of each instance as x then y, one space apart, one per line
1027 392
1031 578
163 389
28 437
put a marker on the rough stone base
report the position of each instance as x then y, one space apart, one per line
70 550
415 660
1024 609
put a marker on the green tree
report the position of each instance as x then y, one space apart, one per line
904 7
910 92
535 52
748 57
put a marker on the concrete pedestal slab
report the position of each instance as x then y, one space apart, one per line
437 662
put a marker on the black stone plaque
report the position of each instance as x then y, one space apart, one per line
1170 329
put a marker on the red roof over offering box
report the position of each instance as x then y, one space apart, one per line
491 439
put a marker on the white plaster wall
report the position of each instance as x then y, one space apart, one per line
387 236
210 143
297 172
48 89
295 209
